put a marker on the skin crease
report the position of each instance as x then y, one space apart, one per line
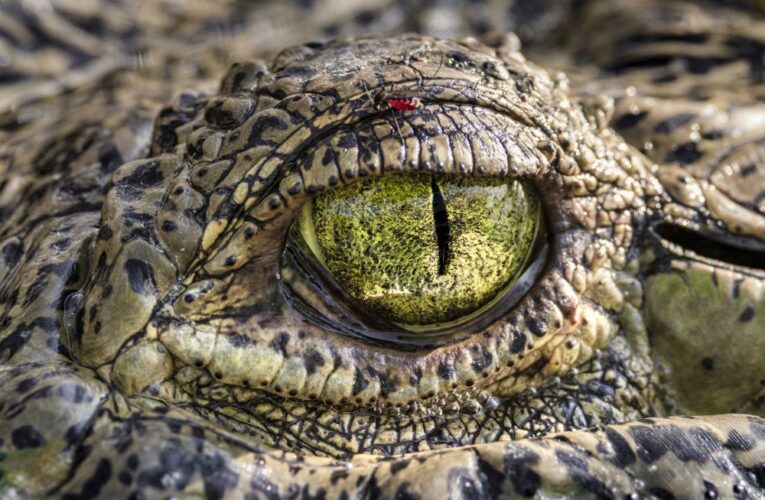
160 336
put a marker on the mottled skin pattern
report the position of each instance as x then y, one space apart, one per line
156 338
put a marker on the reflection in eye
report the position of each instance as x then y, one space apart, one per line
422 252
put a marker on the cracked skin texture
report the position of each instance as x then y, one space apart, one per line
159 338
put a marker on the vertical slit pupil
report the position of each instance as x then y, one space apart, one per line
441 220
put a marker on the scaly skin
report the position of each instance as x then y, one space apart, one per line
156 339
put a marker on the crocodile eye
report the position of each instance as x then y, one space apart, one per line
421 252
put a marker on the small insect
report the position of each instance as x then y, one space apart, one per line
388 100
404 103
400 102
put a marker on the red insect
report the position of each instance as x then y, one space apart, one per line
404 103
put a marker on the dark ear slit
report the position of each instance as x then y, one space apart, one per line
709 247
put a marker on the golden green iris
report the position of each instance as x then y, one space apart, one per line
422 251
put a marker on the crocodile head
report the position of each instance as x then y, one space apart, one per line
305 289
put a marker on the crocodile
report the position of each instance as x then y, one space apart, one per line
408 260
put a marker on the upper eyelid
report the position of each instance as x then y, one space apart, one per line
288 183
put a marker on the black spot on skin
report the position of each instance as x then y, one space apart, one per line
48 325
347 141
519 343
237 340
313 359
61 244
11 344
629 120
464 485
365 17
537 366
143 177
93 485
673 122
216 475
445 371
623 455
748 170
328 157
708 364
359 382
491 479
387 384
576 467
525 481
692 444
483 362
125 478
747 315
26 436
140 276
175 468
295 189
740 442
402 492
124 443
665 78
173 426
25 385
713 135
661 493
753 51
570 460
262 125
12 254
299 70
132 462
76 432
489 67
338 475
259 483
758 474
684 153
710 491
279 343
537 326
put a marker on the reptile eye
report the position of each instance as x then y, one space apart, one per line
419 252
